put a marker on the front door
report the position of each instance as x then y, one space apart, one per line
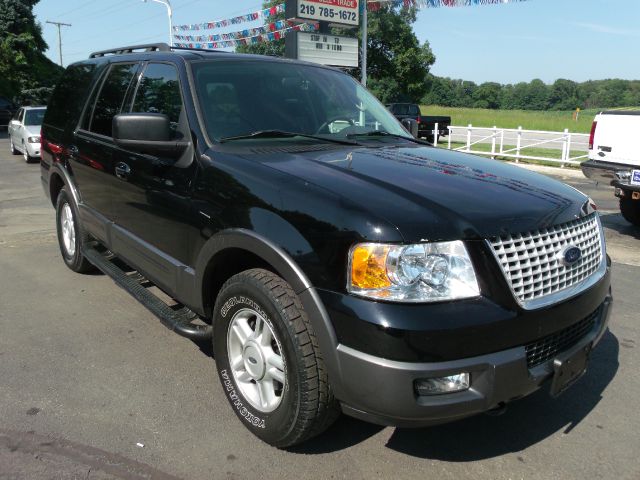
152 197
91 152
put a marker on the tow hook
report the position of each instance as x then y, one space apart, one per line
497 411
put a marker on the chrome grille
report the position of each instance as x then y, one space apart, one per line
531 261
548 347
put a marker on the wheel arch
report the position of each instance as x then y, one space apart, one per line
59 177
235 250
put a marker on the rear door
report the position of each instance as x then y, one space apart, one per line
152 196
92 150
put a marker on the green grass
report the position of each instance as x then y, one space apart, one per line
527 119
533 151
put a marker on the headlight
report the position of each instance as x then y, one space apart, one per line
429 272
34 139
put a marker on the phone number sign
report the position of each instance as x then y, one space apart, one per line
342 12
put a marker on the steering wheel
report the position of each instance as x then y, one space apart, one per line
334 119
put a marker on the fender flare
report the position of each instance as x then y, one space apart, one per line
67 180
240 238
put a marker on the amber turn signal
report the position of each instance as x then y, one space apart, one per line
369 266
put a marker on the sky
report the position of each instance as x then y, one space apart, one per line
507 43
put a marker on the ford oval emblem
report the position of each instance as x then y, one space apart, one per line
570 255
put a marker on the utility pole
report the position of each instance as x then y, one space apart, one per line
365 40
59 24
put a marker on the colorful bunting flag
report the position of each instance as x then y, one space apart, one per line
249 17
251 32
376 5
265 37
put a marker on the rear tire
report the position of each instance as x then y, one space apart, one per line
269 361
71 237
630 210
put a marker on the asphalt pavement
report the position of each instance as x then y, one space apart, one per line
92 386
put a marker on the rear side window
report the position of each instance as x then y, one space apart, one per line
414 110
111 97
159 92
65 105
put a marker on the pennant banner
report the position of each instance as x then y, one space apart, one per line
377 5
251 32
266 37
249 17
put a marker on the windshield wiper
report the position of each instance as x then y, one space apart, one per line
283 134
381 133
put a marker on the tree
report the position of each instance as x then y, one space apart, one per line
275 48
564 95
23 66
487 95
398 65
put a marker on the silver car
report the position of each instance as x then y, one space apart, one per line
24 132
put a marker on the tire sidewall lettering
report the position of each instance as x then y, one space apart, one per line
236 402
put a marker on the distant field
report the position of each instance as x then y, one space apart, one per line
527 119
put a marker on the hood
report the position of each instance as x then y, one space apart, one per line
431 194
32 130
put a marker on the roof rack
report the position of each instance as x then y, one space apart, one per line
151 47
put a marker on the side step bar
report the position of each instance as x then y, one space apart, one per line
179 321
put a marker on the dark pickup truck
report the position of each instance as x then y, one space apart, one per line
426 123
334 262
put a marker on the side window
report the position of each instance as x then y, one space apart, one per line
68 97
415 110
111 97
159 92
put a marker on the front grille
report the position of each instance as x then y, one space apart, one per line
547 348
531 261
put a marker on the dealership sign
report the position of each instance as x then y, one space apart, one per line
338 12
325 49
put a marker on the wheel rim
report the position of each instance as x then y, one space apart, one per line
256 360
68 230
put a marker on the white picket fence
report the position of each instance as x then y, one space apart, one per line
513 143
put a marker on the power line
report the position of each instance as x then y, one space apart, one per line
59 24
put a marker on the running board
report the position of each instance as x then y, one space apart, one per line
179 320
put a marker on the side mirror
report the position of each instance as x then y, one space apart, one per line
410 126
148 133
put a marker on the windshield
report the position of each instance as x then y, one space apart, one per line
238 98
33 118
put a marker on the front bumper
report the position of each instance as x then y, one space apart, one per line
33 149
382 391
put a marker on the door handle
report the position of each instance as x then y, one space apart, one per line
123 170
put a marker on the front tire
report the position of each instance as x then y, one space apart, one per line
71 237
630 210
14 150
25 154
268 360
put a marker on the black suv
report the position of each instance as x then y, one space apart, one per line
335 262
